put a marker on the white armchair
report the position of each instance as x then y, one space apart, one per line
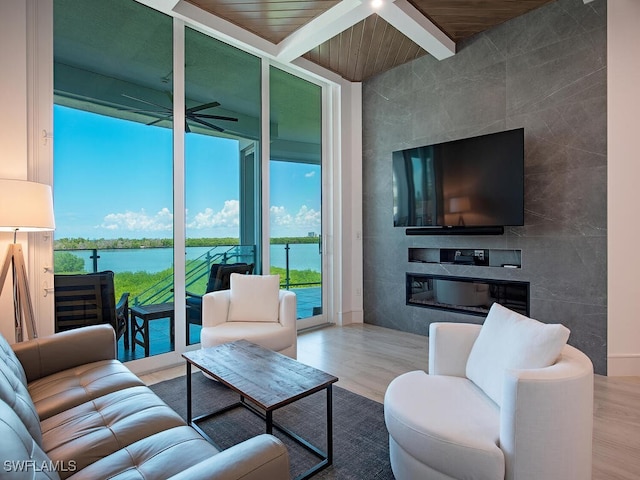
490 409
253 309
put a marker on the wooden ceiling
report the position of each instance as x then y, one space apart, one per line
370 44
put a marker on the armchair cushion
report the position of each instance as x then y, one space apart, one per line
445 422
254 298
509 340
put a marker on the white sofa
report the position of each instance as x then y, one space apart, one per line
253 309
519 424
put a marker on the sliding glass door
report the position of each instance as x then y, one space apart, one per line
295 191
119 166
222 170
113 159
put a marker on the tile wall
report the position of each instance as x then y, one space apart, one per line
546 72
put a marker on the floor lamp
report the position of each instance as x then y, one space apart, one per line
24 207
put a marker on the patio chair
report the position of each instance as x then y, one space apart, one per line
89 299
219 279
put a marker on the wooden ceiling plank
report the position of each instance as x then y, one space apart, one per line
345 47
375 42
334 53
365 46
463 18
405 17
384 46
322 28
396 44
355 50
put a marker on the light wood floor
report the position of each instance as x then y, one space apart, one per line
366 358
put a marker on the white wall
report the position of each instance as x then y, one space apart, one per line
351 310
13 122
26 93
623 91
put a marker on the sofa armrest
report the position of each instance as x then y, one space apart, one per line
259 458
548 413
449 347
215 308
47 355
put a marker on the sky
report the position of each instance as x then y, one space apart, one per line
113 179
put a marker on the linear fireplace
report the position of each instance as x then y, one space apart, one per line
467 295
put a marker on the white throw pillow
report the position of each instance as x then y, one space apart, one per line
254 298
508 340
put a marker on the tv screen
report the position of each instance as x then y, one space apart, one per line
473 182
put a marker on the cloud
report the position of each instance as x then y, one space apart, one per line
280 217
133 221
229 216
310 174
306 218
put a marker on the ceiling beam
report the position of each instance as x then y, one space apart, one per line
322 28
399 13
408 20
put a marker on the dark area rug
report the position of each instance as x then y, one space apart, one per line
360 439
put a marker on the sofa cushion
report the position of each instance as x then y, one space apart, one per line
66 389
254 298
19 452
509 340
11 360
96 429
447 423
266 334
156 457
15 394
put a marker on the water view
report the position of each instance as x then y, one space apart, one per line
305 256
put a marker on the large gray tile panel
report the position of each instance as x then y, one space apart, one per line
546 72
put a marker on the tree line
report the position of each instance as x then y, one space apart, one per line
130 243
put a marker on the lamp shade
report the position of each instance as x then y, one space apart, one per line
25 206
459 204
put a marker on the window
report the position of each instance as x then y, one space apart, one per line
222 167
113 162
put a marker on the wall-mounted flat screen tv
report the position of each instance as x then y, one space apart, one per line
472 182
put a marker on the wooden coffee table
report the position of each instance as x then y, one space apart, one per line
268 380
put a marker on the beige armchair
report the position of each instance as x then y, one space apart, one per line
253 309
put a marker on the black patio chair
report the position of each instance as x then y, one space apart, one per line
89 299
219 279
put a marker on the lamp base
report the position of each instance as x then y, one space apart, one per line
22 306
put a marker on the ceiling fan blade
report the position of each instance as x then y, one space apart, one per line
203 107
206 124
137 110
216 117
166 117
148 103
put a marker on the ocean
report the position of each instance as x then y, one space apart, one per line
302 256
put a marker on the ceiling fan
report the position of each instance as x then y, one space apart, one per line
192 114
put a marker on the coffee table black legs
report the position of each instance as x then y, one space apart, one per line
189 417
326 457
329 425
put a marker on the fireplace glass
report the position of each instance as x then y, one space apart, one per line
467 295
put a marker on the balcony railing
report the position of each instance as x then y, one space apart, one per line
149 271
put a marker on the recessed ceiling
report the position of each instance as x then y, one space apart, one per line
358 41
